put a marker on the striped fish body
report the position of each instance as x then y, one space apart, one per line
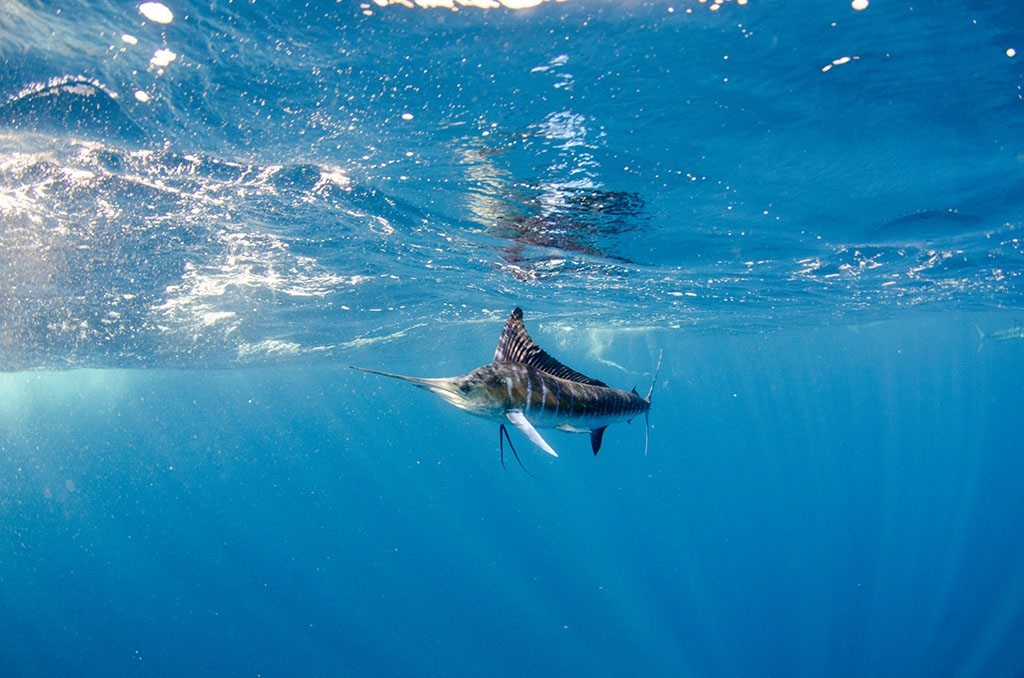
548 401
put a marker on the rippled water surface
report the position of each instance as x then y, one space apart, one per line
209 209
250 183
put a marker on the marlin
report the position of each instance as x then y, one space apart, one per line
524 385
1015 332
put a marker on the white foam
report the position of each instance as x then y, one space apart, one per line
214 317
332 176
380 339
267 347
455 4
249 266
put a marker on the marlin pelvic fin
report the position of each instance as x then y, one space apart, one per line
595 438
516 346
527 429
502 438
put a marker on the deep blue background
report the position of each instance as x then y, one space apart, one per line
192 481
840 502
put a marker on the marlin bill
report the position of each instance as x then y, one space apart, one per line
527 387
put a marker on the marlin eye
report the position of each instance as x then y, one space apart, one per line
465 388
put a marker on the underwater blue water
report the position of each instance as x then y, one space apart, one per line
816 212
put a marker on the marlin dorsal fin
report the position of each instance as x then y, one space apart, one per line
516 346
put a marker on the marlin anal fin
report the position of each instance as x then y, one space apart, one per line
647 412
647 430
517 418
595 438
516 346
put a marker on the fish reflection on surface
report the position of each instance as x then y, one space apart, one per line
576 224
542 224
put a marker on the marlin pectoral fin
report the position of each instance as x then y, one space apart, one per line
517 418
595 438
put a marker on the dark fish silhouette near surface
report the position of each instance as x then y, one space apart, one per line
526 386
70 105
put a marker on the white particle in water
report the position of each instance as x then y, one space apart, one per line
141 96
859 4
163 57
130 39
156 12
1011 52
